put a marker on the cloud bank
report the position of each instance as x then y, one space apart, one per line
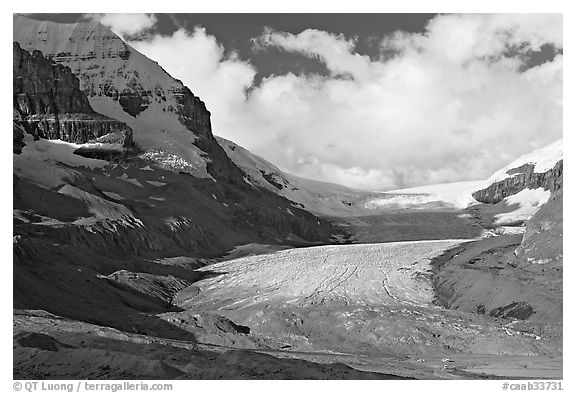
125 24
452 103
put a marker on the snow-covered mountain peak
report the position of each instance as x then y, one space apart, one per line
97 55
122 83
543 160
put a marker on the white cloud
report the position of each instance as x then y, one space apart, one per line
336 51
451 105
125 24
198 60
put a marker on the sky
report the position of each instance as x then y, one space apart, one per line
371 101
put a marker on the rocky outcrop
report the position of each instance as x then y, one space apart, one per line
192 112
48 103
42 87
521 178
110 70
76 127
17 138
518 278
542 243
120 81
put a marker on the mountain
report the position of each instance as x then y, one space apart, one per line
170 127
518 277
510 196
128 214
542 243
48 104
541 168
517 191
111 214
170 124
320 198
521 195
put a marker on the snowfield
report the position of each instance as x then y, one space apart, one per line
543 159
318 197
167 141
449 195
362 274
85 48
41 161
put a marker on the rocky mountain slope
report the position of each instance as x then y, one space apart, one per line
518 278
108 239
509 197
170 124
171 128
542 242
321 198
113 254
541 168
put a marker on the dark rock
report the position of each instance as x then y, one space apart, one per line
254 213
18 138
525 177
77 128
43 87
132 102
192 113
269 177
48 103
517 310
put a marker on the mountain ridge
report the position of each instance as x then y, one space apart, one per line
121 83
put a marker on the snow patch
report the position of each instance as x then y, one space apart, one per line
56 150
127 179
112 195
527 203
41 162
174 162
155 183
543 160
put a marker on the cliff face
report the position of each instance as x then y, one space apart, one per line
521 178
122 83
48 103
42 87
184 214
